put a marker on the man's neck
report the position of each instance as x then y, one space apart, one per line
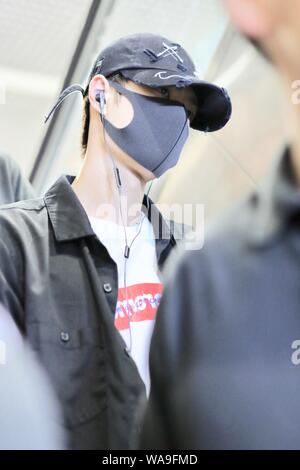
96 188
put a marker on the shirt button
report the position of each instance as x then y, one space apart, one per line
107 287
64 336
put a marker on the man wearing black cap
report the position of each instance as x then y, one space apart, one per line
82 275
225 356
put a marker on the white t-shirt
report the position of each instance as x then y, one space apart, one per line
144 287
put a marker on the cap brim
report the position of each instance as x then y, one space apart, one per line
214 105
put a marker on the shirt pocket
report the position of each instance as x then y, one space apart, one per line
75 362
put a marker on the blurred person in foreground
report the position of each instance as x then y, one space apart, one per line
225 355
13 186
80 268
29 412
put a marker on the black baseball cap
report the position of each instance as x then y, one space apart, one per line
153 60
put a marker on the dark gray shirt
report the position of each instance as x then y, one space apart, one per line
60 284
225 355
13 186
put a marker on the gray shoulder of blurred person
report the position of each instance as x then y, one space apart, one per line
233 225
187 286
13 186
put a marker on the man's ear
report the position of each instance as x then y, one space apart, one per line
98 82
251 17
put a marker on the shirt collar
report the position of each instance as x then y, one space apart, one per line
275 203
70 221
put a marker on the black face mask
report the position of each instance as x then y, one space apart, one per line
157 133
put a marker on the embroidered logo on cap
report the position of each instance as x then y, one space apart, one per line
172 51
167 51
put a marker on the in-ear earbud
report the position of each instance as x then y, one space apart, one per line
100 97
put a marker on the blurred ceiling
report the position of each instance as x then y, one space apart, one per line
37 37
37 41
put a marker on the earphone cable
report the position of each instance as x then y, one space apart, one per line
125 273
127 248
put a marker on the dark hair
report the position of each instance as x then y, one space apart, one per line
117 77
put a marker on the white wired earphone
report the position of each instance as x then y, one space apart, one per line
100 97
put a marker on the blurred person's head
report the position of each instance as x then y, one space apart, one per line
274 26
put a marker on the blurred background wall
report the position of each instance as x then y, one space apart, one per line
46 45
